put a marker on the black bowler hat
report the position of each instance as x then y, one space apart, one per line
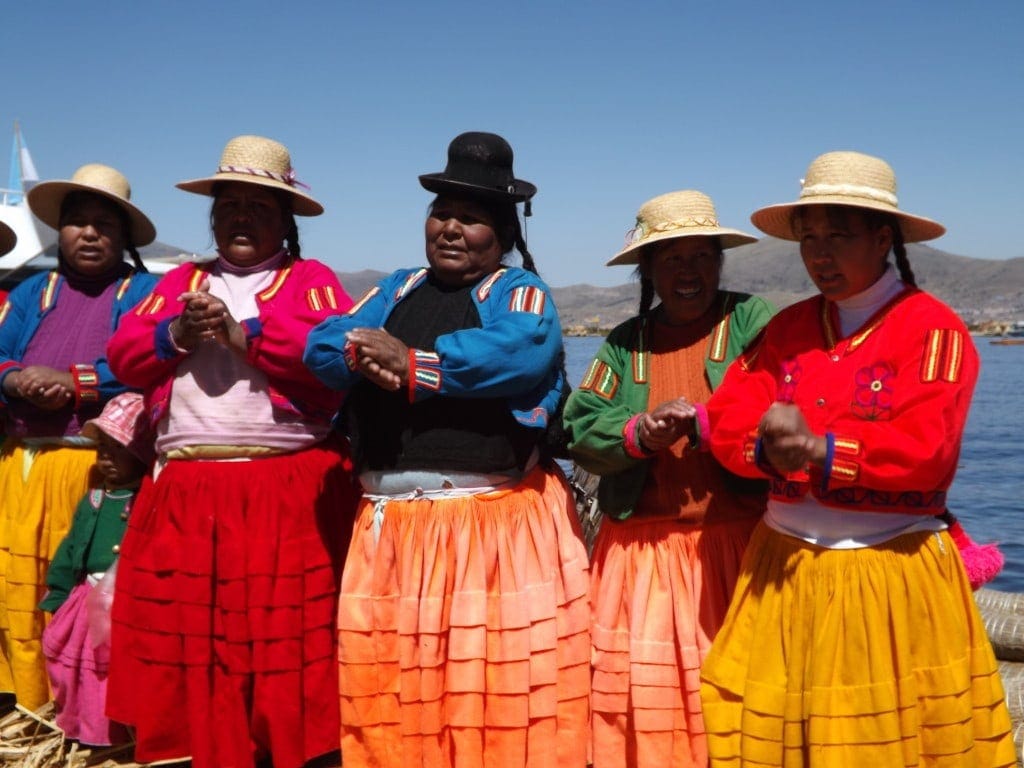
479 165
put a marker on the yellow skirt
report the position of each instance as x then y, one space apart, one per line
862 657
463 631
39 490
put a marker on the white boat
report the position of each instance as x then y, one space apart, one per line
34 237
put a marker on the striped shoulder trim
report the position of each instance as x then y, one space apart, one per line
362 302
601 380
4 311
196 279
123 288
274 287
527 298
319 299
484 289
49 291
943 356
410 282
150 305
641 357
720 336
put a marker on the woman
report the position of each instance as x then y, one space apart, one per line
675 524
54 377
222 640
463 620
853 638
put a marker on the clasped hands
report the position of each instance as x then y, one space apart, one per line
788 443
662 427
46 388
206 318
380 357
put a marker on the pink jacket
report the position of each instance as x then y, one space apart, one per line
303 294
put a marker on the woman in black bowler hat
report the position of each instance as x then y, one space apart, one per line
463 619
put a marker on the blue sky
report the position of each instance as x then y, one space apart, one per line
605 104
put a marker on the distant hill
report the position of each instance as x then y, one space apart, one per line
978 289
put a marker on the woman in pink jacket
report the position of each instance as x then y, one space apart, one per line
223 621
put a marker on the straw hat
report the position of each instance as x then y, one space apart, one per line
7 239
687 213
260 161
46 198
851 179
479 165
124 418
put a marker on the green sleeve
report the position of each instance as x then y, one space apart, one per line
61 577
595 422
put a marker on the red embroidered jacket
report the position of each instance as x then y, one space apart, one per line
891 399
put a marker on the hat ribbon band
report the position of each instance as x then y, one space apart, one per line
849 190
284 178
642 231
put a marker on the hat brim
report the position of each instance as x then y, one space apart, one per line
438 183
8 239
302 204
46 198
777 220
729 238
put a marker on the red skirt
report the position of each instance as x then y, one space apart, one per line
222 637
463 631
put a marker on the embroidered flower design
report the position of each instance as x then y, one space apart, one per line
872 397
788 379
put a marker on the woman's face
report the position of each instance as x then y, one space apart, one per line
685 273
462 245
92 237
843 254
249 225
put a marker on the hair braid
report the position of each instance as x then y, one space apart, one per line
292 237
521 247
136 259
646 294
900 251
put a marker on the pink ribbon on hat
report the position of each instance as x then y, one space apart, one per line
287 178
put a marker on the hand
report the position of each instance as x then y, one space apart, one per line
788 443
205 318
381 357
46 388
662 427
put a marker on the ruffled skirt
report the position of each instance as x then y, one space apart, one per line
659 592
463 631
35 514
78 666
222 637
862 657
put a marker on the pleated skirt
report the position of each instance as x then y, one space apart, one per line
39 490
222 626
78 667
463 631
862 657
659 592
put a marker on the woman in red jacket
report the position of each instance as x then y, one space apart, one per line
853 638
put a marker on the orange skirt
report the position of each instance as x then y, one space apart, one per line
463 631
35 514
659 592
873 657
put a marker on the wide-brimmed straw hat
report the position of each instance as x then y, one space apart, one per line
851 179
687 213
46 198
261 161
124 418
479 165
8 239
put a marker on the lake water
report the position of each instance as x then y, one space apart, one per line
988 492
